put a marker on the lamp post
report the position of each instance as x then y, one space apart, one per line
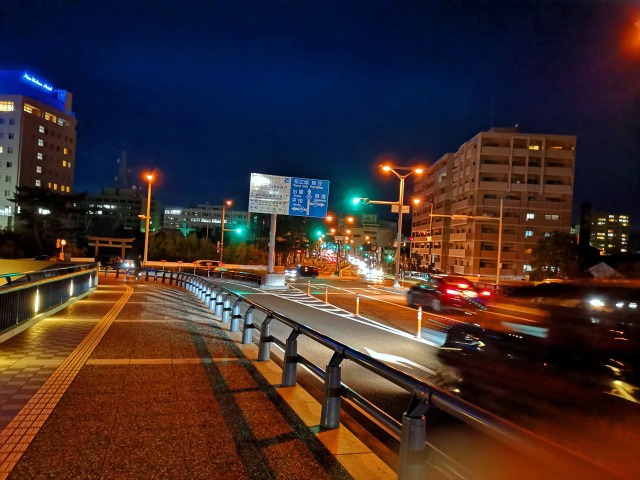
226 204
339 232
411 171
147 217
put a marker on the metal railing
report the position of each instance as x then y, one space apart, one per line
29 294
411 431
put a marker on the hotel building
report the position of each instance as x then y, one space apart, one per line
528 176
37 138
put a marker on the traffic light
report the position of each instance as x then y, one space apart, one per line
358 200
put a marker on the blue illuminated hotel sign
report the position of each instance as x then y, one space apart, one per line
35 81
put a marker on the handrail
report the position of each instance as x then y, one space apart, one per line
424 396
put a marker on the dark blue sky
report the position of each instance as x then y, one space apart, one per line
209 91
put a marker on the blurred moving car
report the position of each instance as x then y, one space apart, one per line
301 271
589 331
440 292
117 262
50 258
206 263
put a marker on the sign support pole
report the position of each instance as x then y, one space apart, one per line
272 244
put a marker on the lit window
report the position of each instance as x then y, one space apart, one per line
64 163
531 216
50 117
528 233
38 183
55 186
39 169
40 142
6 106
69 164
1 147
49 185
65 150
39 156
534 147
552 217
41 129
68 189
528 251
27 108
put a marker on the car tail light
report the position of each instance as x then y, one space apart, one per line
485 293
450 291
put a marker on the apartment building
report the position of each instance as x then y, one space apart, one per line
121 209
529 177
610 233
37 138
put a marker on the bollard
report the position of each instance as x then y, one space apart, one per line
106 271
326 294
247 329
235 317
357 304
419 334
219 303
264 348
309 288
226 311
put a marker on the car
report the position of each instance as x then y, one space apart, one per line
206 264
50 258
444 292
589 331
117 262
302 271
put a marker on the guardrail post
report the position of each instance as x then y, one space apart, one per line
413 439
146 276
264 348
357 304
219 303
247 328
289 368
226 311
117 272
235 317
419 333
331 399
155 276
106 271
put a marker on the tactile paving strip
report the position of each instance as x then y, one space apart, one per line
17 436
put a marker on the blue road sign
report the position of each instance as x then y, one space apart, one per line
303 197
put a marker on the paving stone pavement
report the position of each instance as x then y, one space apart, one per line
138 380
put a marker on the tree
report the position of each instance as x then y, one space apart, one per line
44 216
555 256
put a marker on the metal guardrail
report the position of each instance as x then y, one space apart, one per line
411 431
28 294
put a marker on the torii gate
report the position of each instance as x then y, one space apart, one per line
123 243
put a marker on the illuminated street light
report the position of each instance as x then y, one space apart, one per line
226 204
394 170
147 217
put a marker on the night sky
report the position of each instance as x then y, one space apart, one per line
207 92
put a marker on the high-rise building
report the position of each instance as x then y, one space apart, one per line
610 233
530 175
37 138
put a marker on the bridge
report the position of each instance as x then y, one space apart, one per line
153 378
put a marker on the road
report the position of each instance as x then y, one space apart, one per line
387 329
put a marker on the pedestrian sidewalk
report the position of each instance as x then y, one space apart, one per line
138 380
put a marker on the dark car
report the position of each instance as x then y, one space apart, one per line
302 271
49 258
117 262
448 292
588 331
206 264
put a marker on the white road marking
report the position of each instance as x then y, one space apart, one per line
396 360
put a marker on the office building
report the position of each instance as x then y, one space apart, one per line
116 209
530 175
203 216
37 138
610 233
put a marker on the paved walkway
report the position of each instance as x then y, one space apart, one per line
138 380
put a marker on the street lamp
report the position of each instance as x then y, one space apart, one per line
334 231
226 204
411 170
149 177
